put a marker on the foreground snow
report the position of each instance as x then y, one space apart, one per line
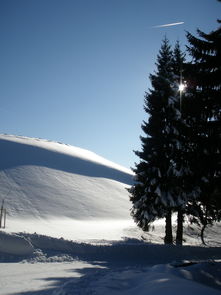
36 264
159 279
78 277
39 264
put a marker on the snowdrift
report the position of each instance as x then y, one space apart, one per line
42 180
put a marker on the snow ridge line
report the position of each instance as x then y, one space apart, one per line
71 161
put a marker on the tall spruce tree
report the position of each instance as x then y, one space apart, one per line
179 157
187 189
205 108
154 194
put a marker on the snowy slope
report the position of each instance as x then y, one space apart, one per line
47 179
43 181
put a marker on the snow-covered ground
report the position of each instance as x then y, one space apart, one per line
78 277
36 264
69 231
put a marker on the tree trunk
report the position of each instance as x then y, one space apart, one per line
202 233
204 225
168 229
179 233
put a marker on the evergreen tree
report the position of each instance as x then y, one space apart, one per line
178 69
178 62
186 188
154 194
205 109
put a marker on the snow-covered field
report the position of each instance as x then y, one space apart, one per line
69 230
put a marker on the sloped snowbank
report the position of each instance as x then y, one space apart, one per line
128 251
58 147
15 244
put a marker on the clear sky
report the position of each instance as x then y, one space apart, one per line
76 71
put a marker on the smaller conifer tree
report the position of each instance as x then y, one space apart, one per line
154 194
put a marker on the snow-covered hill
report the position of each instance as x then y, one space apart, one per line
42 181
58 195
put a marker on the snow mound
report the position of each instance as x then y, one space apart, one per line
130 251
15 245
40 179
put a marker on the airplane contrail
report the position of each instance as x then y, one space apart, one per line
168 25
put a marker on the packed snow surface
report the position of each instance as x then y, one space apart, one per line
69 231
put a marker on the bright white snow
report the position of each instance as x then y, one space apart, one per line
69 231
41 180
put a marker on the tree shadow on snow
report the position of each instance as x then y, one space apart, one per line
88 278
73 284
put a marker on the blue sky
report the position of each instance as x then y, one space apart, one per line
76 71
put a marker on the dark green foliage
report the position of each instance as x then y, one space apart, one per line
180 160
154 194
205 112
